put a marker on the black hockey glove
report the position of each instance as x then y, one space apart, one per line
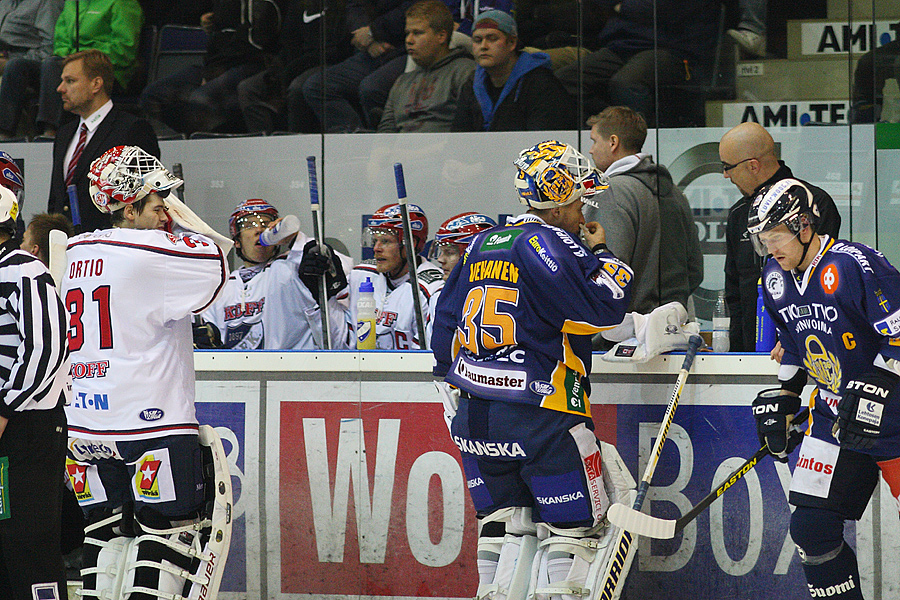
772 408
206 336
861 408
316 263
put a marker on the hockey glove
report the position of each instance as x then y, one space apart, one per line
861 408
449 398
316 263
206 336
772 408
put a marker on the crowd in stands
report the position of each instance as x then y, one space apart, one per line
392 65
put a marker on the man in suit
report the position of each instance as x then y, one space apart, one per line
87 80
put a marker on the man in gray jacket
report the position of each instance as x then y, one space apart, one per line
647 219
425 99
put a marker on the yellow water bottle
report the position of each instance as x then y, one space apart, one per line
365 316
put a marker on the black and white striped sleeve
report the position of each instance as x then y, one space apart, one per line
33 345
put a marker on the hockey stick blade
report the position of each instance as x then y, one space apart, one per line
646 525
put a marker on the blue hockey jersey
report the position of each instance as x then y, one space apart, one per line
837 321
515 318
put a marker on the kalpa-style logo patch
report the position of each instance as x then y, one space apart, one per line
830 279
775 285
86 483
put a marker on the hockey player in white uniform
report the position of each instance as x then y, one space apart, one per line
271 302
837 308
389 273
135 452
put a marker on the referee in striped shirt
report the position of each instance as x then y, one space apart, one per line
34 362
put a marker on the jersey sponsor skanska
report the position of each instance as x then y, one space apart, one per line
835 320
515 318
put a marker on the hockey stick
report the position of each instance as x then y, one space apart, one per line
410 254
663 529
57 257
617 569
319 235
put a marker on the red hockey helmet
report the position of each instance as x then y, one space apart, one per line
10 174
242 215
462 229
388 219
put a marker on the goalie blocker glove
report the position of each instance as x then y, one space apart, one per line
772 408
316 263
862 406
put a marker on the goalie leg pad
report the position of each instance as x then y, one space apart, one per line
105 549
506 548
829 564
572 563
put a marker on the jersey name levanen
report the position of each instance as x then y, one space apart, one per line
130 294
837 318
515 319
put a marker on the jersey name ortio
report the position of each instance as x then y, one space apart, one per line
124 358
396 327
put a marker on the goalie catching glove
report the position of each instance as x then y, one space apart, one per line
773 410
642 337
861 408
316 263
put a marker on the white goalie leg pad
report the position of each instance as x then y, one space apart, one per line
189 556
511 556
570 564
110 568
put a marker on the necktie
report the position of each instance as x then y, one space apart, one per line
79 148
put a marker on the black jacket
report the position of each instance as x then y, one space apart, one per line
743 266
119 128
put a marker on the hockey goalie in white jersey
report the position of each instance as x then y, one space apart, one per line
138 461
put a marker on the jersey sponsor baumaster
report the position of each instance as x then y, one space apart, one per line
269 307
130 294
836 321
515 318
395 326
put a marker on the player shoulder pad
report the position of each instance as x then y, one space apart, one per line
430 278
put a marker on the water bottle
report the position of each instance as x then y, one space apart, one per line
765 326
721 324
285 228
365 316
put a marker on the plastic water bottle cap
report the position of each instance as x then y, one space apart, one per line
366 286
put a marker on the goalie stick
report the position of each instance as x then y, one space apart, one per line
319 235
663 529
57 257
411 254
617 569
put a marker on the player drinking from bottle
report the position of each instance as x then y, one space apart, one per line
837 307
272 300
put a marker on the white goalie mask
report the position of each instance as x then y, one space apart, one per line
125 174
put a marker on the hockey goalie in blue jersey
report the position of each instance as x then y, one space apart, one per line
837 308
512 341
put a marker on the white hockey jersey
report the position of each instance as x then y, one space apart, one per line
269 307
395 327
130 294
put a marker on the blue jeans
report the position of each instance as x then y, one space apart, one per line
21 74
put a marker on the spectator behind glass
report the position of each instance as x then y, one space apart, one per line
664 41
511 90
873 71
273 99
648 222
425 99
85 87
204 98
354 91
36 239
748 160
111 26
